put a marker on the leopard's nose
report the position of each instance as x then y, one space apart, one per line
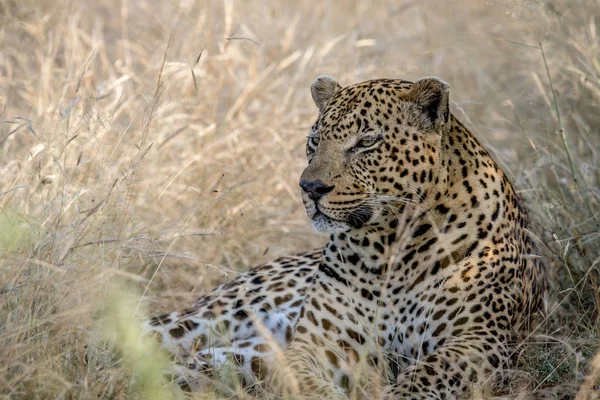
315 189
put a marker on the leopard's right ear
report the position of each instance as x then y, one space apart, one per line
432 94
323 89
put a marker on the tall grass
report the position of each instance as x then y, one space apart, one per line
158 144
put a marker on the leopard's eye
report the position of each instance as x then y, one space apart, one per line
367 142
314 140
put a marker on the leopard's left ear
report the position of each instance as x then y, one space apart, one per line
323 89
432 95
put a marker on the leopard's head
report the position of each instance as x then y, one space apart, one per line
374 147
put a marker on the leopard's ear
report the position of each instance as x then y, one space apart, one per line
323 89
432 95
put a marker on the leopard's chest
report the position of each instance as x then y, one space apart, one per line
411 315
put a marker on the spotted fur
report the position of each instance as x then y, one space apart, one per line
428 273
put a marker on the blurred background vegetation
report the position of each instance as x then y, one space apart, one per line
156 146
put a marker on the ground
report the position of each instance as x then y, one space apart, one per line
147 150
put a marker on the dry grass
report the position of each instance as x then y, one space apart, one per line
157 145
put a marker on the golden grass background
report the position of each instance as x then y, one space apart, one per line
158 145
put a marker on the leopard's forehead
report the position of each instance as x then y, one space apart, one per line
359 106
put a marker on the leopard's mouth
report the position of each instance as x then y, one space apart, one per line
356 219
324 223
361 216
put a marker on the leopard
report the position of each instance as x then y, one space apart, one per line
429 273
